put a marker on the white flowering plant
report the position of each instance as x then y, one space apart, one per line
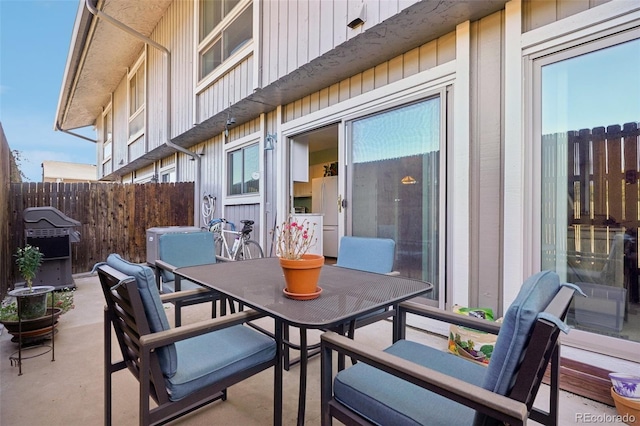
295 238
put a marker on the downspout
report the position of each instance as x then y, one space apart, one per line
167 55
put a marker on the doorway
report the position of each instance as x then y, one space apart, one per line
315 166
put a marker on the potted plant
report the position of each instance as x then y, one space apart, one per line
301 270
32 300
9 312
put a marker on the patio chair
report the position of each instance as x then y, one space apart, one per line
364 254
411 384
176 250
184 368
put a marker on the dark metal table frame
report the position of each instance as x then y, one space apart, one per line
346 295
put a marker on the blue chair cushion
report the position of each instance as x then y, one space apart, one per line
387 400
517 325
211 357
367 254
186 249
153 309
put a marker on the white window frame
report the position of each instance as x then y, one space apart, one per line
206 43
253 198
169 171
109 140
522 150
140 65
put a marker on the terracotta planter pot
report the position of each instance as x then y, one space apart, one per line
301 276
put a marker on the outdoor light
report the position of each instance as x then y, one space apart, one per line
359 14
230 121
408 180
269 142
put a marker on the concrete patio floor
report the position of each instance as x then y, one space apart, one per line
69 391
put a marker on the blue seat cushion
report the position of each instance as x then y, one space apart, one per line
367 254
153 309
211 357
186 249
387 400
517 325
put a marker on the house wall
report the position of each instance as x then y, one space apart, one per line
429 55
296 32
536 14
485 161
291 39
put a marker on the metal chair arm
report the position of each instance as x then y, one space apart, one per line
449 317
487 402
162 338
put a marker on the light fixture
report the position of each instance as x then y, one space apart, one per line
357 15
408 180
269 142
230 121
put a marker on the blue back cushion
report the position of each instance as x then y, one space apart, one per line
145 280
367 254
534 296
186 249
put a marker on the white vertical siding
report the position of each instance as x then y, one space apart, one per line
436 52
229 89
537 14
175 32
485 160
120 124
295 32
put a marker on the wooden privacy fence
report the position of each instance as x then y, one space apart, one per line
595 174
114 217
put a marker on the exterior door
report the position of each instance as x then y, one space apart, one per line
394 185
588 117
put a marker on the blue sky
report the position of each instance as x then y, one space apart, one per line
34 43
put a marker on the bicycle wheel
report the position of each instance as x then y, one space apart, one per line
249 250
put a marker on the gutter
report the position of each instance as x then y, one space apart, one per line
99 14
74 134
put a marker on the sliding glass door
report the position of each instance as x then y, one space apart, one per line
395 186
590 197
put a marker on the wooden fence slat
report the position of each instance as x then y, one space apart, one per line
114 217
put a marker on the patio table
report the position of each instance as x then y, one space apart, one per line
346 295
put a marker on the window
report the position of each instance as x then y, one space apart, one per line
396 185
243 170
107 134
590 156
225 26
137 100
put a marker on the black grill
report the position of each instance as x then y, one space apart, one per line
52 232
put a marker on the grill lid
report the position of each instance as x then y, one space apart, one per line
46 217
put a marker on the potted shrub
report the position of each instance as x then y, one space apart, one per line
32 300
9 312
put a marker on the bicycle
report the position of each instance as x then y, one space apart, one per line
243 247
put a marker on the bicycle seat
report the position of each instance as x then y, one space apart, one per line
247 222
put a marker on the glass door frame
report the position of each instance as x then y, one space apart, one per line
533 64
346 176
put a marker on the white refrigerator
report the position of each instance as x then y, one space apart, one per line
324 200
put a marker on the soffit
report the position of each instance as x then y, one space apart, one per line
104 56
